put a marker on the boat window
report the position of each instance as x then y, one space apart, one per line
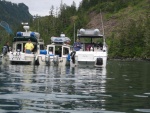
58 51
35 48
99 45
88 46
65 51
51 50
19 47
24 47
41 47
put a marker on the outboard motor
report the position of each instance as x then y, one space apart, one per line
73 56
56 60
36 61
47 59
99 61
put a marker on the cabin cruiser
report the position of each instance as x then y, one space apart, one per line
17 53
93 52
57 52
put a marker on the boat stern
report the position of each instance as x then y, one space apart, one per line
90 59
21 58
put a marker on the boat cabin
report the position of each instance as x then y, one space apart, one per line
22 38
59 46
91 39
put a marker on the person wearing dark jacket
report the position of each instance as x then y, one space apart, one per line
77 45
6 48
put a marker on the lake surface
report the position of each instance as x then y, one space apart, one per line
121 87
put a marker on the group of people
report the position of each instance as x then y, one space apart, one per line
77 46
28 47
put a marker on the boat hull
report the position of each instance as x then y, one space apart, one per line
52 60
89 59
19 58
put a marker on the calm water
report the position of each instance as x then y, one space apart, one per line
121 87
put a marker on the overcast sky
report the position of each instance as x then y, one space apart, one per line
42 7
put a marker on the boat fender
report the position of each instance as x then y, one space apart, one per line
5 50
47 59
99 61
73 56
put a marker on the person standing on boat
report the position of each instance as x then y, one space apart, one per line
29 47
77 45
6 48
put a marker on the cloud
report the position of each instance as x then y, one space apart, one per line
42 7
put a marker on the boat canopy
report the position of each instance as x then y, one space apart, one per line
89 33
25 36
61 39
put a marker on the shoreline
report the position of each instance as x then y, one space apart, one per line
130 59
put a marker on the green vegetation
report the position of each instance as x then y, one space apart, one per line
126 23
131 39
13 14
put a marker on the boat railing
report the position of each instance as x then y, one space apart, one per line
91 47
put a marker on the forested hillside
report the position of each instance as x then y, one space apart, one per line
127 27
13 14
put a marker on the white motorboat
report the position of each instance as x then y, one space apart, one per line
17 54
93 52
56 52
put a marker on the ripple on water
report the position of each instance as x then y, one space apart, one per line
142 96
40 89
143 110
147 93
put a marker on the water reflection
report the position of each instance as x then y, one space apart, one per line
52 89
122 86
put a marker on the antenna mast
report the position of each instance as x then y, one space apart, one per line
102 26
74 32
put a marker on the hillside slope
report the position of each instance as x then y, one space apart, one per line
13 14
127 30
113 21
